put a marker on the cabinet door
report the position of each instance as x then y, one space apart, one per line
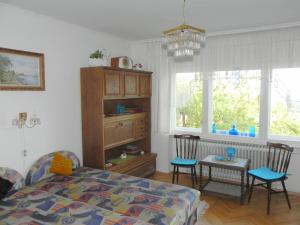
113 84
118 133
131 87
145 85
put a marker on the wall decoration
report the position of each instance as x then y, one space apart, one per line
21 70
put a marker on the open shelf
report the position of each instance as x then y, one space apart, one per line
141 164
119 107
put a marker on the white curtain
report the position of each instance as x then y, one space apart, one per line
256 50
164 68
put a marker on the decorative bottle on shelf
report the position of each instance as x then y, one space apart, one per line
120 109
252 131
233 130
213 128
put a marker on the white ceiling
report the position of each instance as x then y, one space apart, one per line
145 19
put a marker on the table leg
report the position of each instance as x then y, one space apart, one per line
242 186
209 174
200 177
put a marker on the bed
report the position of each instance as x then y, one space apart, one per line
96 197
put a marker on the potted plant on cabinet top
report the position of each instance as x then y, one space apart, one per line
97 58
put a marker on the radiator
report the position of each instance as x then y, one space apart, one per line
257 153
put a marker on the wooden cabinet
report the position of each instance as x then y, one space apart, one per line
105 133
113 83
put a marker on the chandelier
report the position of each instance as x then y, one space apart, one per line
183 40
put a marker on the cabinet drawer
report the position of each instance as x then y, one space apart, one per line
116 133
141 128
143 170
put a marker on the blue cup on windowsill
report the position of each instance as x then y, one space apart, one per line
252 132
230 152
233 130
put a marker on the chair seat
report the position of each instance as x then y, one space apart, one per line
266 174
183 162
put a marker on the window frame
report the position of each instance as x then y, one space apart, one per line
264 134
187 129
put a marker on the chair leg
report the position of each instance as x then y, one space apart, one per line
177 177
173 177
286 194
251 189
192 175
195 175
269 184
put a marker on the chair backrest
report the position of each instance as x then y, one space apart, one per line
186 146
279 157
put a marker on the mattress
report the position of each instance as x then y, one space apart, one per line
97 197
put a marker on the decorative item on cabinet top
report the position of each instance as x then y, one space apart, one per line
137 66
99 58
122 62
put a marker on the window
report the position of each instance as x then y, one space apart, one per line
285 102
236 101
189 90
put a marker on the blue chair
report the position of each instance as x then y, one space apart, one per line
278 161
186 148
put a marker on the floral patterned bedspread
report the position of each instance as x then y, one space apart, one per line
97 197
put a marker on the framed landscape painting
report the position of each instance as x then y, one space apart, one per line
21 70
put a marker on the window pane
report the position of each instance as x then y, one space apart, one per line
189 87
285 98
236 100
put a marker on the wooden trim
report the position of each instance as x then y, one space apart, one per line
120 69
40 56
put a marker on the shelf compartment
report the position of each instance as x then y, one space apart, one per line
136 166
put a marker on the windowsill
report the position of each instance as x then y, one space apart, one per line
191 130
218 137
235 138
293 141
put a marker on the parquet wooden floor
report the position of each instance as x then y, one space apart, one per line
227 211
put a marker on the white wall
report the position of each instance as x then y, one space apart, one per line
66 48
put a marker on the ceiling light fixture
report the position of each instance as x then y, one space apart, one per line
183 40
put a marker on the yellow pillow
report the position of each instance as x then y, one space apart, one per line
61 165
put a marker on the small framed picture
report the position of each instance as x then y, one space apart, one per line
21 70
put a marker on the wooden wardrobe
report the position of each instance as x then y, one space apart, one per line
106 132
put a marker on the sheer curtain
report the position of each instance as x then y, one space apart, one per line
262 50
